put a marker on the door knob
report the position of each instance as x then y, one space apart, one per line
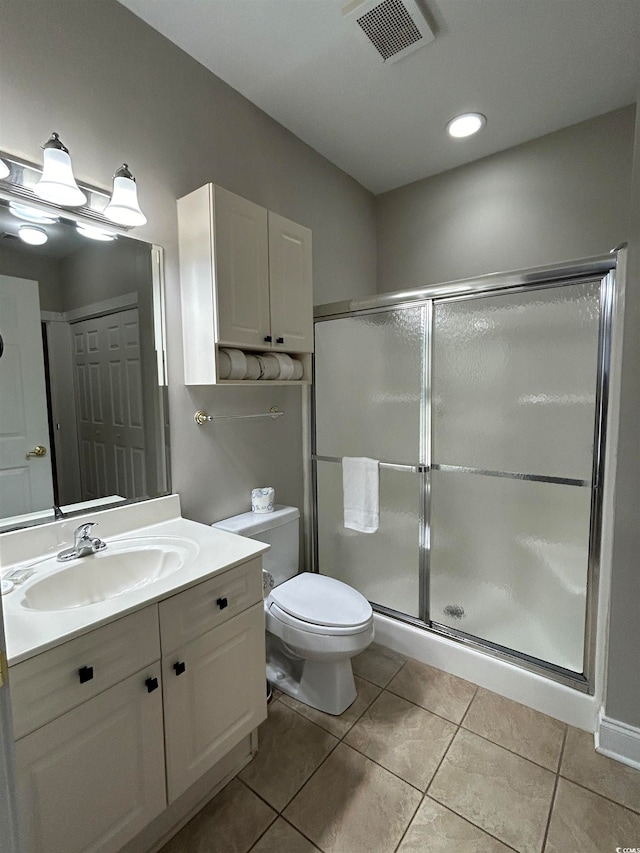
38 451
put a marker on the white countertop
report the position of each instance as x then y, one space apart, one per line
29 632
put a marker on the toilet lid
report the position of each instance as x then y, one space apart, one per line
322 601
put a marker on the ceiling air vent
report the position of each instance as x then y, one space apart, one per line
394 27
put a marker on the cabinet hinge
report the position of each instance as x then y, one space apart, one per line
4 668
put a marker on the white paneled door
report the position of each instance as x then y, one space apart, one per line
26 483
108 377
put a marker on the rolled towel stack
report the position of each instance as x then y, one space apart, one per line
270 366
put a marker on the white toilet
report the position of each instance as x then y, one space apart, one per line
315 624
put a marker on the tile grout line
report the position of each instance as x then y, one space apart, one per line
471 823
511 751
354 748
598 794
555 791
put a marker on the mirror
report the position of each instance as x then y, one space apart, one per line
83 408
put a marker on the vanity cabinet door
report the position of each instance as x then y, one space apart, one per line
291 285
94 777
214 695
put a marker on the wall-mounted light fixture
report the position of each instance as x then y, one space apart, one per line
123 207
33 235
53 187
57 183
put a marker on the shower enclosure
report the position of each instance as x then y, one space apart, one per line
484 403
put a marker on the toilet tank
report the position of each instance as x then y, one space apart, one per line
278 529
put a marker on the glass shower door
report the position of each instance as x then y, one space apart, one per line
514 380
369 389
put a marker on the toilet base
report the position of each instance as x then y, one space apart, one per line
326 686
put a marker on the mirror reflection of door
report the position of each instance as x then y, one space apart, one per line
27 482
108 382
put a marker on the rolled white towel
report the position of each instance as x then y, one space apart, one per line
238 362
270 365
286 365
298 369
254 369
224 364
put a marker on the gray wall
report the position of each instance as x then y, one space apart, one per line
623 679
117 91
560 197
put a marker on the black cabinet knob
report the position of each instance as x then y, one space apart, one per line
85 673
222 603
268 339
151 684
179 667
279 340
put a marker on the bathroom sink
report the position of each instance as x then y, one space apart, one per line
124 566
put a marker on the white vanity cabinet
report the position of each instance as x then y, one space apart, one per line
213 671
245 278
92 777
117 723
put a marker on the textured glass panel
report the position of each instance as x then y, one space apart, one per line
383 566
514 381
509 563
368 382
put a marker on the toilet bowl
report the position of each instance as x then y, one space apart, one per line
314 624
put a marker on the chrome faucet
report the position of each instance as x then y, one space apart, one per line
83 543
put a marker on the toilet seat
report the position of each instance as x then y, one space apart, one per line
273 612
320 604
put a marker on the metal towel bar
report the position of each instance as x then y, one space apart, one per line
201 417
391 466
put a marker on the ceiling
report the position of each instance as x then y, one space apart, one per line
530 66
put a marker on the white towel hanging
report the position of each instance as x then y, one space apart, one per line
360 492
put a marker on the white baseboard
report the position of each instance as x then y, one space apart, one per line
618 741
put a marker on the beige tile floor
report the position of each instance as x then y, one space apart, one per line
422 762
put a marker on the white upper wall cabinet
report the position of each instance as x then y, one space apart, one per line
246 281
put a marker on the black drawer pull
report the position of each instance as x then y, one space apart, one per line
152 684
179 667
268 339
85 674
222 603
279 340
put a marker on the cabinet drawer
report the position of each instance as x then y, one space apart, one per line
195 611
53 682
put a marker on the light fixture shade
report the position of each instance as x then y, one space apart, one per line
123 207
57 183
31 214
4 170
32 235
94 233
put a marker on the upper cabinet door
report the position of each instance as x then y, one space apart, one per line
291 285
242 270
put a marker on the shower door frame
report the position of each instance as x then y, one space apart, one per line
602 268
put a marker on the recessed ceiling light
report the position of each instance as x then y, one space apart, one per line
94 233
4 170
466 125
32 235
31 214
